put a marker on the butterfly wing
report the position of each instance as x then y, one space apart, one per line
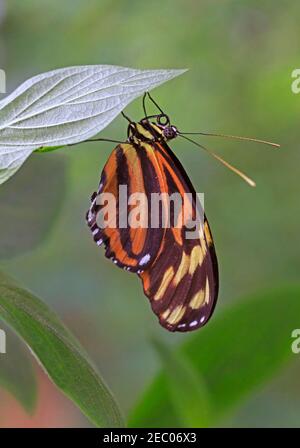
179 275
182 282
129 171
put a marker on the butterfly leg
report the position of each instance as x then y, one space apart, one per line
126 118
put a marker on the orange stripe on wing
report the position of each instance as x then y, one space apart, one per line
137 235
115 244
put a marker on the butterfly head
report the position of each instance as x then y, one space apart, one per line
168 131
160 129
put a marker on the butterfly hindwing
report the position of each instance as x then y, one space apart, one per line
182 282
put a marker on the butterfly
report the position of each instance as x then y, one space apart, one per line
179 274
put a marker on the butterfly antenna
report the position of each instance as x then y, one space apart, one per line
232 168
233 137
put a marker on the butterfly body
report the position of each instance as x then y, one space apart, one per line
179 274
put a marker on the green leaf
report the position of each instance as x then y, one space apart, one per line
235 353
17 375
29 206
67 106
186 388
59 353
49 148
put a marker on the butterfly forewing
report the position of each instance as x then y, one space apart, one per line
128 173
179 274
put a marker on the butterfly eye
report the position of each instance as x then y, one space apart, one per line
170 132
163 120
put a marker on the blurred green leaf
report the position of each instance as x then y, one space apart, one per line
235 354
29 204
186 388
59 353
17 375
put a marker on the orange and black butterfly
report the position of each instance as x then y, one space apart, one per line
179 274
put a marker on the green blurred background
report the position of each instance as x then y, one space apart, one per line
240 56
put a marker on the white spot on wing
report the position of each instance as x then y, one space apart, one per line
194 323
145 259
